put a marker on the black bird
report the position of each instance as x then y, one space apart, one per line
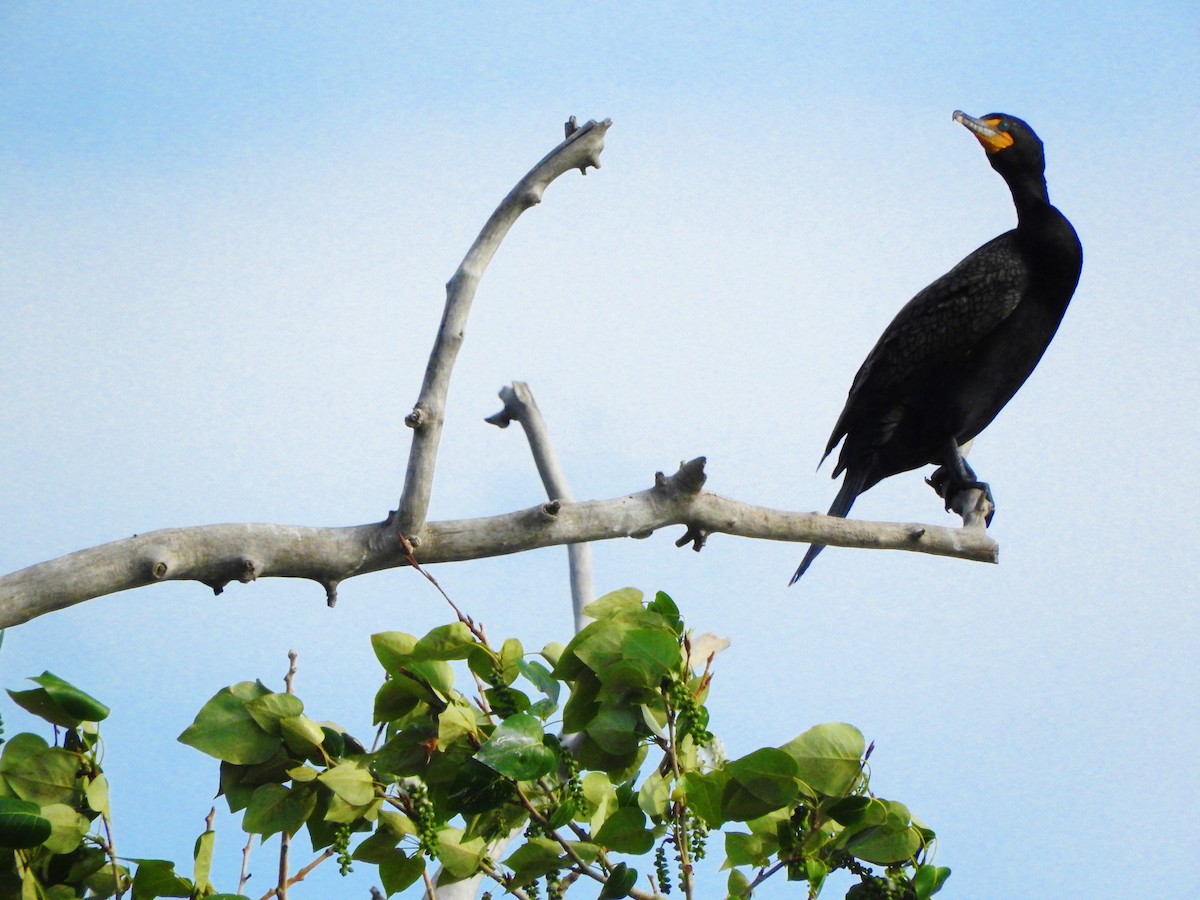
959 350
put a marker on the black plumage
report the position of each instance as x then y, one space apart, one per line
958 351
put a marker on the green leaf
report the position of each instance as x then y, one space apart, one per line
582 704
397 697
614 728
377 848
400 871
553 652
664 606
654 796
303 735
883 846
512 654
768 774
97 794
38 772
704 792
157 878
743 849
533 859
657 651
60 702
274 808
849 810
408 752
738 884
611 603
625 832
516 749
619 883
829 757
436 673
815 872
339 812
39 703
506 700
393 649
225 729
269 709
103 882
928 880
476 789
460 858
618 767
543 709
456 721
453 641
71 699
302 774
596 648
22 824
202 858
68 825
601 796
539 676
350 781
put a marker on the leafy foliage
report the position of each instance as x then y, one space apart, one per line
639 773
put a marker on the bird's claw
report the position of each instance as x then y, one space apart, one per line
951 489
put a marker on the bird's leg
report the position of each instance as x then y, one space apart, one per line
954 479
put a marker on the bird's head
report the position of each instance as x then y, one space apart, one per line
1010 143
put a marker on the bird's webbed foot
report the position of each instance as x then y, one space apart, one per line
955 482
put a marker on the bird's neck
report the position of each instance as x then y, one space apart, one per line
1030 197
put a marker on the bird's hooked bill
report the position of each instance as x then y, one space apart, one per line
987 131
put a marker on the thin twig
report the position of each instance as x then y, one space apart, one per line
291 672
111 848
284 844
580 866
300 875
245 876
476 629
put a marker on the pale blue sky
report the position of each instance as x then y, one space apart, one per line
224 234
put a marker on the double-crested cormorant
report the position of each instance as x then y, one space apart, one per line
959 350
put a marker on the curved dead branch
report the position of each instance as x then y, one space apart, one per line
579 150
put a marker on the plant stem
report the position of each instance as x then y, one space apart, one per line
111 848
299 876
245 876
678 810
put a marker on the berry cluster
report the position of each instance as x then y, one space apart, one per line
341 843
690 717
661 870
422 814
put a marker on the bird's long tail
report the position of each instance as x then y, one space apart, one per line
852 486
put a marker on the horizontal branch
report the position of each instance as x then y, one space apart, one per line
216 555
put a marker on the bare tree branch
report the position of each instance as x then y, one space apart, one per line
519 406
219 554
580 149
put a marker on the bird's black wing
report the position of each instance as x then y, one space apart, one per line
940 326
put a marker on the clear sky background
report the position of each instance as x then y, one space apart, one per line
224 234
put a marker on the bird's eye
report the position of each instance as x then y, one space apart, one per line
1002 125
